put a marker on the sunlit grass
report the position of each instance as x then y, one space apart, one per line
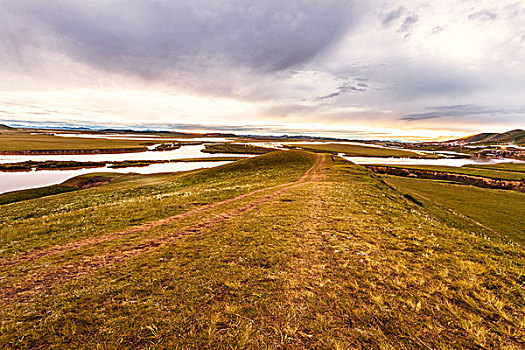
491 171
25 140
485 211
363 151
346 262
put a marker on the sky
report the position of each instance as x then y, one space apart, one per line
409 70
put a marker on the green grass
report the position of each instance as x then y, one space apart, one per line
444 148
235 148
363 151
25 141
477 209
87 180
167 146
73 184
345 262
517 167
135 199
23 195
67 165
49 165
207 159
134 163
474 170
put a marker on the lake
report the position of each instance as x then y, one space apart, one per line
11 181
183 152
457 162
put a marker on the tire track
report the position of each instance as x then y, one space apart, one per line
144 227
30 285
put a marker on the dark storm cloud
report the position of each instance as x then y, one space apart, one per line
391 16
326 97
151 38
485 15
458 111
344 89
437 30
334 60
409 22
411 79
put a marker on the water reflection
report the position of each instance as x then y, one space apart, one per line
12 181
414 161
183 152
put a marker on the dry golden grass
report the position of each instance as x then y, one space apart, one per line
338 261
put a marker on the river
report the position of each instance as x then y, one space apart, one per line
11 181
457 162
183 152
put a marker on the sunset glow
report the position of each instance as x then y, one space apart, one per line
337 68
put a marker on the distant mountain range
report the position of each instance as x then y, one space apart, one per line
173 133
516 136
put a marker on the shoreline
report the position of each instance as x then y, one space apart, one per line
473 180
73 151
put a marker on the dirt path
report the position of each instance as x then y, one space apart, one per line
37 283
311 175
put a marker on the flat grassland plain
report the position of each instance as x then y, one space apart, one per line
287 250
509 171
364 151
482 210
25 140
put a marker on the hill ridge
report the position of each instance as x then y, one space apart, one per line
6 127
516 136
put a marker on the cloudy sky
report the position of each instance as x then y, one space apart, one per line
367 69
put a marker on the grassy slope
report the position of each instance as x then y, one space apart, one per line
5 127
364 151
22 141
498 211
468 170
70 185
23 195
135 199
342 263
513 136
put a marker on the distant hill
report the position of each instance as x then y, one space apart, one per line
516 136
5 127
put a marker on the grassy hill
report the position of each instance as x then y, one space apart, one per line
5 127
287 250
236 148
514 136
